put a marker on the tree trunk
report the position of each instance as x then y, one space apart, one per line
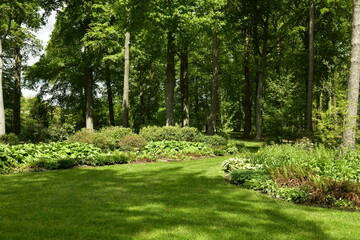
261 78
109 94
353 83
247 102
89 99
184 85
310 82
215 84
170 80
2 109
126 81
17 92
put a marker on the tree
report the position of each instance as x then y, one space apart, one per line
310 81
353 83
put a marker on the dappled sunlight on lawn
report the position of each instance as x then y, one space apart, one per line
182 200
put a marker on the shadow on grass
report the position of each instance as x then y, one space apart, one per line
160 201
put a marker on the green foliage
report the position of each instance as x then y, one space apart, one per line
10 138
233 164
46 155
177 148
82 136
132 142
58 133
234 147
241 176
110 159
302 173
214 140
34 132
107 138
155 133
330 126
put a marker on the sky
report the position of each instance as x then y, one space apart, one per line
44 35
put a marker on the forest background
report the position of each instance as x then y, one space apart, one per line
275 69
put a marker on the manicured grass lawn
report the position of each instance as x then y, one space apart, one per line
178 200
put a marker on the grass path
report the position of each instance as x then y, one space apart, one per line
178 200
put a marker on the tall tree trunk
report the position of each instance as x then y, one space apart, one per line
247 102
310 82
2 109
215 84
109 94
184 85
17 92
89 99
126 81
261 78
353 83
170 80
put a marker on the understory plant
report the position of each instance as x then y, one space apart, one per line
300 173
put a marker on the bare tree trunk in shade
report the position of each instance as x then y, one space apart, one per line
310 82
261 78
170 80
2 109
126 81
215 84
17 92
349 136
109 94
184 85
247 102
89 98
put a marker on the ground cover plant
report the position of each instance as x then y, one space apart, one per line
176 200
57 155
301 173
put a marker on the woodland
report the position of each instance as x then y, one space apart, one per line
265 90
275 69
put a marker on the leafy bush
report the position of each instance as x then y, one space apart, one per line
302 173
60 132
234 147
134 142
233 164
83 136
155 133
214 140
9 138
34 132
45 155
107 138
176 148
241 176
110 159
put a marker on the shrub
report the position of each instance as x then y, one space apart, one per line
45 155
214 140
234 147
155 133
134 142
10 139
58 133
83 136
241 176
34 132
107 138
110 159
233 164
51 164
303 173
176 148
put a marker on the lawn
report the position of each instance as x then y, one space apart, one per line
177 200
